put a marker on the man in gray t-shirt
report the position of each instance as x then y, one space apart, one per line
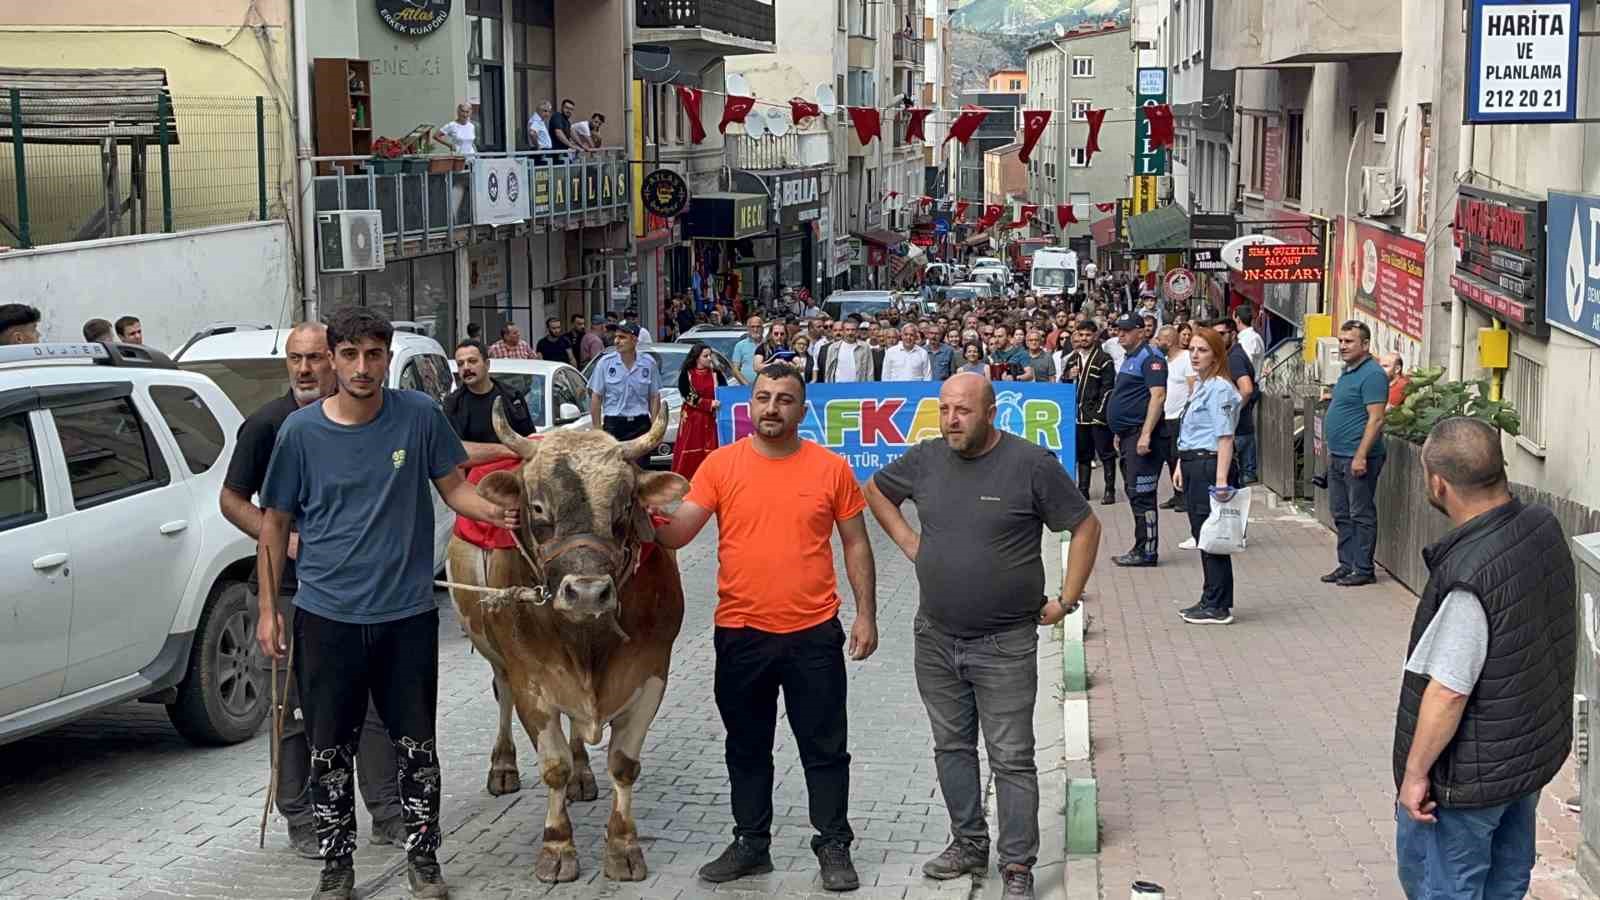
983 500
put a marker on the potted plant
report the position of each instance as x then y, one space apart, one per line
387 156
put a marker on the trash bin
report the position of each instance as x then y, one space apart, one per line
1586 552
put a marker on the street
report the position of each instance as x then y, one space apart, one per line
1242 762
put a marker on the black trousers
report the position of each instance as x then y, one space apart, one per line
396 664
1199 474
808 666
1143 474
1096 442
625 428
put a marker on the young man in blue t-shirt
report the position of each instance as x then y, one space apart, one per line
1354 429
354 473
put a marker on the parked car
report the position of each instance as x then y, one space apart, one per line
842 304
985 290
556 393
671 358
119 577
721 338
248 365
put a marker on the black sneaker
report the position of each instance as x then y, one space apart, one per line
1018 883
958 859
838 873
1354 580
303 840
1110 499
338 881
739 860
1335 575
1135 560
1209 616
1174 503
389 832
422 870
1193 610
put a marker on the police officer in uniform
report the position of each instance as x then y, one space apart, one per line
1135 414
625 387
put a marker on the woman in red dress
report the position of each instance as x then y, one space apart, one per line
697 423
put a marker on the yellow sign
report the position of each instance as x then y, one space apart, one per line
1144 193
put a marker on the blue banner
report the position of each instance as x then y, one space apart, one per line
1572 264
871 424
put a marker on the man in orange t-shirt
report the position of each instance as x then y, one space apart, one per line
778 499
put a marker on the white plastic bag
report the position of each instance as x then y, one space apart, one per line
1224 530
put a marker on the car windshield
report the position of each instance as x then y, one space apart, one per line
722 343
249 383
959 293
531 386
1050 278
842 309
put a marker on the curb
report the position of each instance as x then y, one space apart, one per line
1082 809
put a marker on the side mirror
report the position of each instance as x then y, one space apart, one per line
567 412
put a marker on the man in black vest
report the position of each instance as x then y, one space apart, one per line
1484 721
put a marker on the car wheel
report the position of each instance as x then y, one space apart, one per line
227 691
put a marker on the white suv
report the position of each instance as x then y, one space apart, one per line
119 577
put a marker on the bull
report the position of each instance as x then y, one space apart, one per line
585 630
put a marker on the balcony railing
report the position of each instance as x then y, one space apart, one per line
567 190
740 18
907 49
765 152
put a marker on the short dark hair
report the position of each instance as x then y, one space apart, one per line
97 330
1244 312
474 329
599 115
124 323
14 315
475 344
555 319
357 323
1466 453
567 100
1221 322
1360 328
1087 325
778 371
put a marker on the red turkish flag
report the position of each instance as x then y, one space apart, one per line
966 124
991 215
961 210
1161 129
689 99
1064 215
914 120
1106 207
1097 117
801 110
1029 210
890 195
734 109
1033 124
924 201
866 121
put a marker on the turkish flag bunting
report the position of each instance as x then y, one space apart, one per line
801 110
914 120
891 195
1106 207
967 123
1064 215
1029 210
689 99
961 210
991 215
1096 118
1033 123
924 201
734 109
866 121
1160 118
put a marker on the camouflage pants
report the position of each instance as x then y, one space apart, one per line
339 666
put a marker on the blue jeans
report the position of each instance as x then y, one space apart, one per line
1471 854
1353 503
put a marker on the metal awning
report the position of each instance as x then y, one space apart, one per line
976 240
1164 228
86 106
881 237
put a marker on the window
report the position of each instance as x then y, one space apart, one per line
199 435
1258 153
1380 123
1180 148
1293 154
861 18
861 87
1079 158
1528 375
533 56
110 452
21 493
567 388
486 73
1016 84
1080 110
1424 164
1083 67
1355 120
422 373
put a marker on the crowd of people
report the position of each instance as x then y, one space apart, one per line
19 324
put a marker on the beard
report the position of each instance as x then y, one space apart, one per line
304 396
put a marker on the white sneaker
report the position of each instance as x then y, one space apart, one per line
1188 544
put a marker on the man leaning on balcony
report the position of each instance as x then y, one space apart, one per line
539 133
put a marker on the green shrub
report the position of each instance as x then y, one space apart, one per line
1430 399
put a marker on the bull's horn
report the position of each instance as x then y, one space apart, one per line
518 444
640 447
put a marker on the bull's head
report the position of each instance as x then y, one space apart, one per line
584 511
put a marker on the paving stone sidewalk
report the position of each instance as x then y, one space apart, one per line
117 805
1253 760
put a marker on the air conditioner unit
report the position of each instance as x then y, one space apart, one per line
1377 191
351 240
1330 365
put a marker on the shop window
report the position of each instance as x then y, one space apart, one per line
433 291
388 291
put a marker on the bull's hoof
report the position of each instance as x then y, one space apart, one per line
625 863
581 786
557 864
504 781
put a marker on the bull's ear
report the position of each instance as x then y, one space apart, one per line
502 489
661 489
